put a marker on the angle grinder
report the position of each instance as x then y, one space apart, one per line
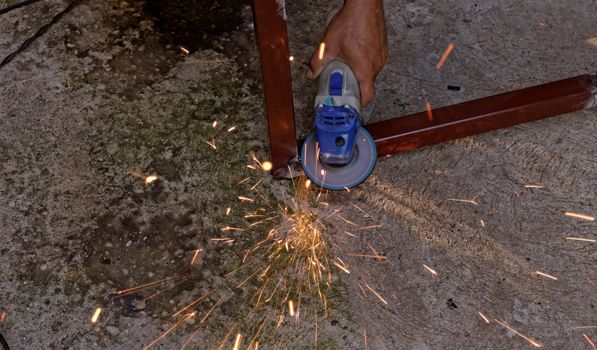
339 154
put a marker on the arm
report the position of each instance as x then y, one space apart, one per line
357 35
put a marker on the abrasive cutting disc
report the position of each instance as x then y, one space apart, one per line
334 177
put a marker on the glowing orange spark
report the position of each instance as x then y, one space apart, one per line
365 339
176 325
237 342
228 211
96 315
150 179
533 186
546 275
580 216
267 166
530 340
482 223
589 339
590 240
429 111
343 268
376 294
430 269
184 51
214 124
291 58
472 201
484 318
244 180
291 308
380 257
245 199
195 256
449 49
321 50
211 144
146 285
231 129
228 228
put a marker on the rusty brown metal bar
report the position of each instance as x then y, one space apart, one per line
486 114
272 38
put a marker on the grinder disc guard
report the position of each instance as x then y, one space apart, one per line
340 177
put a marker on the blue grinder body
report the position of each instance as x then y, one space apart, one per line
339 153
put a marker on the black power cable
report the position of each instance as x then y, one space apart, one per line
39 33
4 343
16 6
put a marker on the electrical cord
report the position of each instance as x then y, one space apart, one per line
39 33
16 6
4 343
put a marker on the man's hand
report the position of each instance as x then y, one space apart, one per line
357 35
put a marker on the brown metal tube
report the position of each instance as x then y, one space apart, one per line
486 114
272 37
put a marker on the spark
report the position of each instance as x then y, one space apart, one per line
592 41
369 227
211 144
2 317
589 341
429 111
291 58
184 50
343 268
321 50
231 129
533 186
530 340
484 318
482 223
146 285
430 269
376 294
228 211
590 240
291 308
195 256
579 216
237 342
228 228
221 346
193 303
150 179
365 339
251 167
214 124
472 201
244 180
245 199
307 183
546 275
223 239
96 315
176 325
267 166
380 257
211 310
442 60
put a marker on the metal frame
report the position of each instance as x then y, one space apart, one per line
412 131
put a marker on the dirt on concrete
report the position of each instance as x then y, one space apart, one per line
108 97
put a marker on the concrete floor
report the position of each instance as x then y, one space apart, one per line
102 93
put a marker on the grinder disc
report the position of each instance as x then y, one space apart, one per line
340 177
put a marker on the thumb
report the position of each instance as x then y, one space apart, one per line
367 92
317 64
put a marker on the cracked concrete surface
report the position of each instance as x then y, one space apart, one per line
104 93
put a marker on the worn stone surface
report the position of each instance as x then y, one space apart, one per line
106 92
